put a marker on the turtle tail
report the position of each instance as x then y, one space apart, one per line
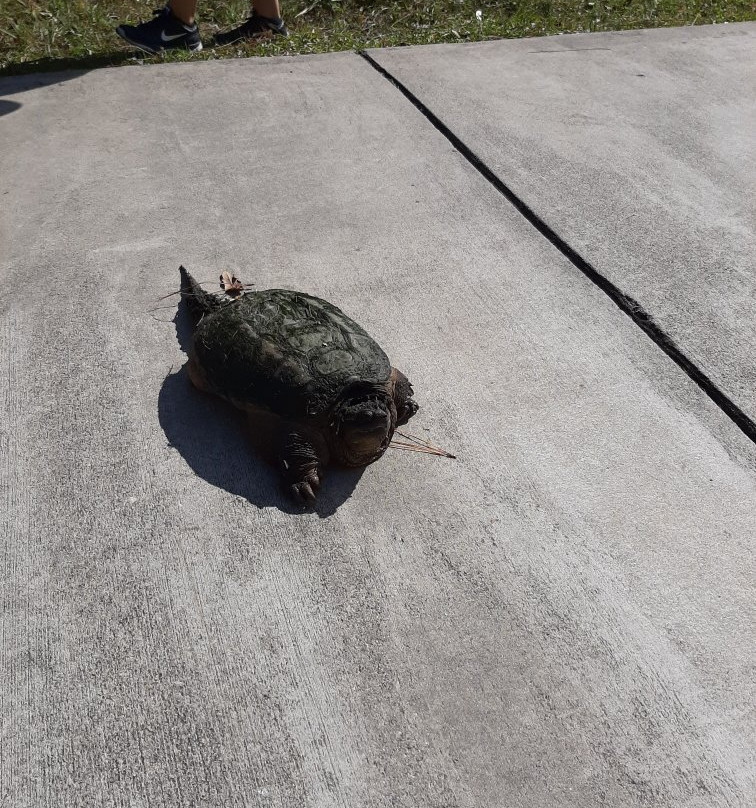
198 301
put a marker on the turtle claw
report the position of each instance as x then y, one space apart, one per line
300 464
306 490
303 492
410 408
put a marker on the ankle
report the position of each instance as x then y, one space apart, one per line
187 19
268 12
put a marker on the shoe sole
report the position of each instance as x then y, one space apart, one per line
194 49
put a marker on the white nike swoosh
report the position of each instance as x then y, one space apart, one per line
172 36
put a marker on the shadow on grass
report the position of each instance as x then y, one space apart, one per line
211 436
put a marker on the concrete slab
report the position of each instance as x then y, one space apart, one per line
561 617
638 149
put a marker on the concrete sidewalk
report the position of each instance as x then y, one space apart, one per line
564 616
637 147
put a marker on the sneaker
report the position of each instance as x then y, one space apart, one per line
253 28
161 33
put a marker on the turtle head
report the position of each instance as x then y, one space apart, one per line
363 422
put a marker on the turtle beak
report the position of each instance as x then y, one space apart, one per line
371 422
365 434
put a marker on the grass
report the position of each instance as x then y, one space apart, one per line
58 34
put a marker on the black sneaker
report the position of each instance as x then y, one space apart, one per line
161 33
253 28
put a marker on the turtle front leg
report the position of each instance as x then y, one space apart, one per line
196 374
302 459
402 391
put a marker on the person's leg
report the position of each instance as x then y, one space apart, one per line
170 27
267 8
184 10
264 21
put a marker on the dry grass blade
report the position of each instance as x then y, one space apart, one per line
413 443
178 291
413 447
307 9
170 294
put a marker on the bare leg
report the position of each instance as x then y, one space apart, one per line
265 20
267 8
184 10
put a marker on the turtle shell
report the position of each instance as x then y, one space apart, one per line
287 352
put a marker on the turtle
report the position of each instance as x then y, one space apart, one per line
316 388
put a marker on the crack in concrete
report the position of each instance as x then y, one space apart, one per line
631 307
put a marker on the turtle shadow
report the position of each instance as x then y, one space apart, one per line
211 436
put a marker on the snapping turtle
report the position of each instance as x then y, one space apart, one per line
316 387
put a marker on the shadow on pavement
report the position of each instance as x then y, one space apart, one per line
12 82
74 66
211 436
6 107
23 76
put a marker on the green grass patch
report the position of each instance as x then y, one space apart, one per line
60 34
